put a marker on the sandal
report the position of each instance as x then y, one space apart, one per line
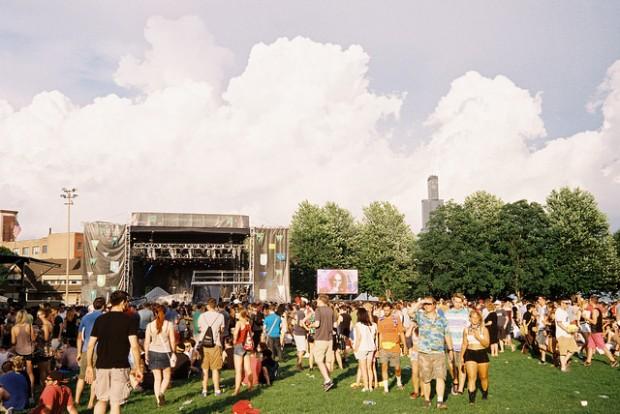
587 364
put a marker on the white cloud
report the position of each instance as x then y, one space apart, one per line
181 50
300 122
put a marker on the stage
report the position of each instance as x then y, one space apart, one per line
196 255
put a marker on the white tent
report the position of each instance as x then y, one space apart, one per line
366 297
155 293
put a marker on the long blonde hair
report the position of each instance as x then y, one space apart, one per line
22 317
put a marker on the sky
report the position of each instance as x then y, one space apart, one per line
251 107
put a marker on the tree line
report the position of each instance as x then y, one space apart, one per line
482 247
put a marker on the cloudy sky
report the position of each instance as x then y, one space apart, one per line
251 107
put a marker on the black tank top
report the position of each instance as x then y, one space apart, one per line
598 326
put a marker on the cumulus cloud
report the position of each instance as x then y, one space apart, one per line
180 51
300 122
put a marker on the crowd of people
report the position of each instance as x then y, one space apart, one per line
116 348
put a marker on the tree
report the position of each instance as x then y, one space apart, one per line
617 241
320 238
456 253
384 247
522 242
582 247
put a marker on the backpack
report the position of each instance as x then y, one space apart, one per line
208 341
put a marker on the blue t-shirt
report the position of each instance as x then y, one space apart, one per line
86 325
271 330
18 386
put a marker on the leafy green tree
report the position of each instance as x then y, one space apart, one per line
522 242
617 241
582 247
456 252
320 238
384 247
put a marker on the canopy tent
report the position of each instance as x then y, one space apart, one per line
155 294
366 297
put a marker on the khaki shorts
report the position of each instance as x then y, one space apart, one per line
82 374
112 385
212 358
432 367
567 344
323 351
393 358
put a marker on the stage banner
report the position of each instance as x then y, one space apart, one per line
104 258
271 265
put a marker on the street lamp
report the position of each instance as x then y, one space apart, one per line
68 194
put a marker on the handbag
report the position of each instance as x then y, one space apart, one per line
173 359
248 343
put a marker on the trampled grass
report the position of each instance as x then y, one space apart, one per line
518 384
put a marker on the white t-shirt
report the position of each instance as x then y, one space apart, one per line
213 319
367 335
561 316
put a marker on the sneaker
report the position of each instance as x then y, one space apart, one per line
218 392
442 406
427 404
204 393
328 386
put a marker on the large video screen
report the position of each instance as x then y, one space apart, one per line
336 281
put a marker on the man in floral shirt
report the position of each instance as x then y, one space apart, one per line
434 335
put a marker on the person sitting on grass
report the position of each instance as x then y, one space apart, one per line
269 368
56 396
16 383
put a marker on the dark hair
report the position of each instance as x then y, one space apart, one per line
363 316
281 309
118 296
99 303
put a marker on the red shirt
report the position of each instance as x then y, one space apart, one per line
58 397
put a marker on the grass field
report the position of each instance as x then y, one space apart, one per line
518 385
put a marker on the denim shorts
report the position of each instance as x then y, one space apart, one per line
238 350
159 360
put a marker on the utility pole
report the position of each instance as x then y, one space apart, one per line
68 195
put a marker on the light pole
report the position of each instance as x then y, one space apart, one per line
68 194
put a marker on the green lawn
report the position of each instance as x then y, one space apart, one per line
518 385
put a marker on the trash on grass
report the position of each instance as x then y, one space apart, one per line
584 403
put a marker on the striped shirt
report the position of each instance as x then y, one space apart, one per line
458 321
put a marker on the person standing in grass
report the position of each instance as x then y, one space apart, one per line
565 334
272 326
595 340
434 335
412 336
391 336
365 345
159 345
325 318
211 324
299 335
458 320
476 340
243 345
84 331
114 335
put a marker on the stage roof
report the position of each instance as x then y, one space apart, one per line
179 222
